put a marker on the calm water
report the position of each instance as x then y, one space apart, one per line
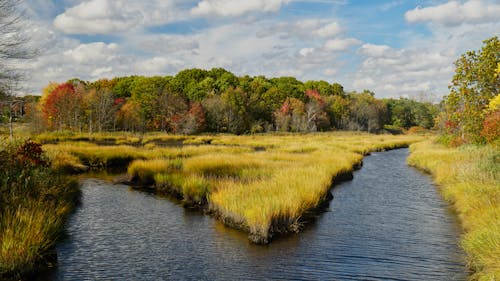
389 223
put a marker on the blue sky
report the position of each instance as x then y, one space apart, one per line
394 47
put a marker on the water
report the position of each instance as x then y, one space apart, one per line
389 223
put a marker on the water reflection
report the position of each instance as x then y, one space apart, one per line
387 224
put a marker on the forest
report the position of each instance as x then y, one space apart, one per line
216 101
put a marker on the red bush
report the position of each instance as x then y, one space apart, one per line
491 126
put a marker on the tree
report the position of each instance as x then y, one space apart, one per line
129 117
62 108
474 84
365 112
13 44
194 120
100 107
13 49
145 92
337 108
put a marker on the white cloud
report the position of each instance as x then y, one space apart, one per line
341 44
108 16
93 53
405 72
374 50
99 72
156 66
456 13
329 30
236 7
306 51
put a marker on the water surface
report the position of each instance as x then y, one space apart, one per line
389 223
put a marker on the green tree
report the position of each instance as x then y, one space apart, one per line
323 87
145 92
123 86
366 113
289 87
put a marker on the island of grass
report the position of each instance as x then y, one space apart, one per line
265 185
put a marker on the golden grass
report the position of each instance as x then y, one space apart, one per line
261 183
265 190
469 177
34 202
27 232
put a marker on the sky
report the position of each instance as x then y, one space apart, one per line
395 48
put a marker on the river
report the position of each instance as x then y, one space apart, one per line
388 223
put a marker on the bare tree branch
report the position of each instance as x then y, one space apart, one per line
13 45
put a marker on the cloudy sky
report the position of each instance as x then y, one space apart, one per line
394 48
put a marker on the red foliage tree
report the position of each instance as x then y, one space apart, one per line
194 121
61 107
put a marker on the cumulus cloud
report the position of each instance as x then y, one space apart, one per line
236 7
93 53
456 13
329 30
108 16
374 50
339 44
404 72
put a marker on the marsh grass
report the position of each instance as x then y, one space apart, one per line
469 177
34 203
261 183
265 191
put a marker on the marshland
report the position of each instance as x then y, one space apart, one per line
176 168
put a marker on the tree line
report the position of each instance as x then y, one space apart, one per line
196 100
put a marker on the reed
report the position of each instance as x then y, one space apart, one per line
268 190
261 183
469 177
34 203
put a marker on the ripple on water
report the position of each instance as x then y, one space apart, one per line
388 223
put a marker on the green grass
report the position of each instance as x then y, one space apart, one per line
469 177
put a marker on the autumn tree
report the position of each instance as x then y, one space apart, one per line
129 117
62 107
194 120
291 117
474 84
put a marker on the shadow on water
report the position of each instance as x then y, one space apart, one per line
388 223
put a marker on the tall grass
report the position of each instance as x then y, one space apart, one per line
265 191
469 177
34 202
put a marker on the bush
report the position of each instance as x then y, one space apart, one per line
34 202
491 127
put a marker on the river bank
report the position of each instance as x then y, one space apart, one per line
35 202
388 223
266 185
469 178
